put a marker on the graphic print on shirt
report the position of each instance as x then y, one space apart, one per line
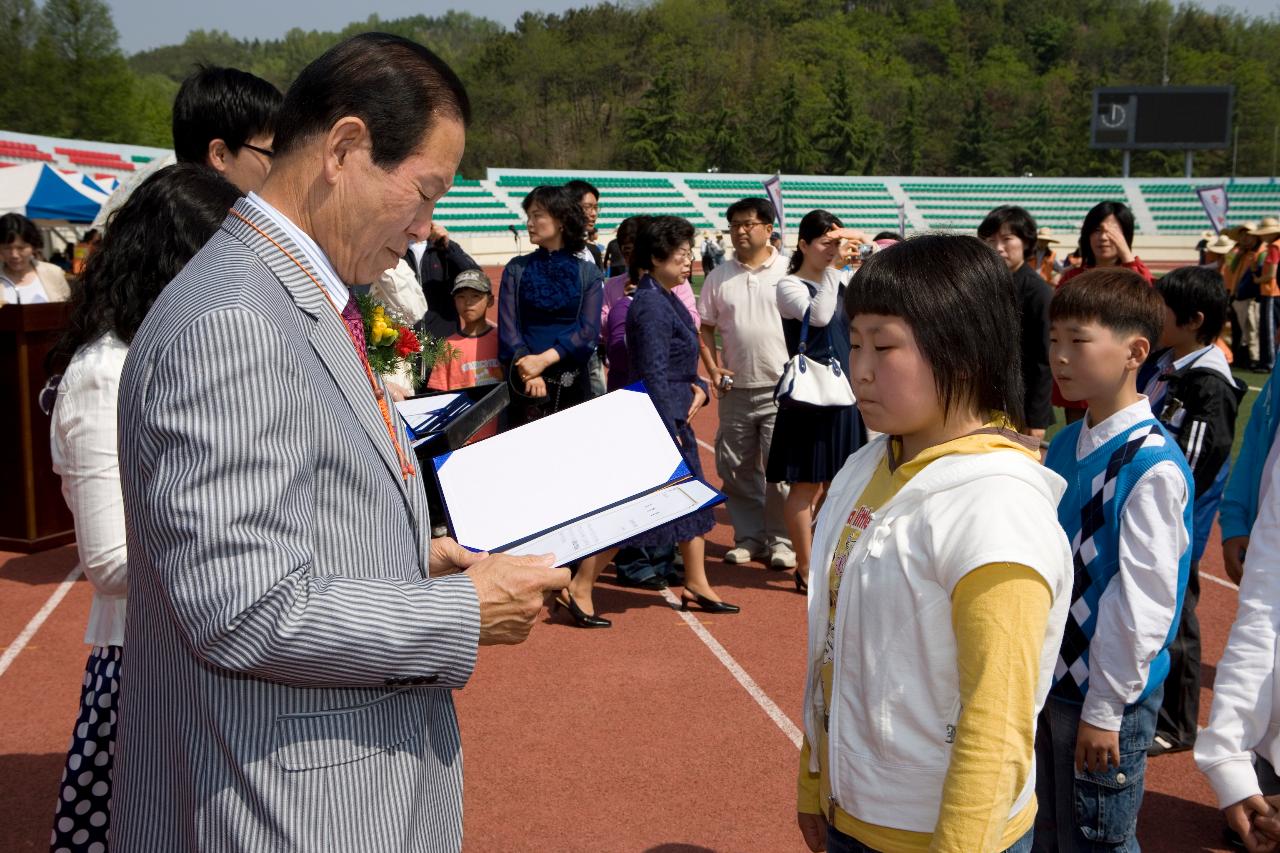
858 522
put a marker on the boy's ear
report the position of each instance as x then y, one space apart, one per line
1196 321
1139 349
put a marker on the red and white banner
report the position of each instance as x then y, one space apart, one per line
1214 201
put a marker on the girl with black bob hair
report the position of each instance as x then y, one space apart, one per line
662 346
956 295
549 307
147 242
811 444
940 578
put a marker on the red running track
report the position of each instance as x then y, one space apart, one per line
636 738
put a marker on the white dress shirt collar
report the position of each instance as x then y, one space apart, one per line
1191 357
333 285
1093 438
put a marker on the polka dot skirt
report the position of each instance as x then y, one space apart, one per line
84 800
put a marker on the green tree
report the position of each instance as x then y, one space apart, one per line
726 144
87 82
657 138
791 149
19 28
974 153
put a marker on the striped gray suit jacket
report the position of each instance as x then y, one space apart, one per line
289 662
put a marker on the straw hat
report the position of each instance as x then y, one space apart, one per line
1268 227
1235 231
1045 235
1221 245
1207 234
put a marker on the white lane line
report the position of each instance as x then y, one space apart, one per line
1219 581
36 621
790 729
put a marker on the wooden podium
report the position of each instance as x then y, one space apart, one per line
33 515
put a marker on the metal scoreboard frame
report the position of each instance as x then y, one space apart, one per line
1115 120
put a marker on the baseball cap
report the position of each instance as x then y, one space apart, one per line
472 280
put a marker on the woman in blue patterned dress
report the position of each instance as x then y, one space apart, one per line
549 310
662 345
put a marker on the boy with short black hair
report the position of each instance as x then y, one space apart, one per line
1127 512
1194 395
224 118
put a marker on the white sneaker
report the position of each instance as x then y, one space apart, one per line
782 559
738 555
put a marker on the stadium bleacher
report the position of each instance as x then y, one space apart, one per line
952 206
867 205
620 196
1176 208
469 207
22 152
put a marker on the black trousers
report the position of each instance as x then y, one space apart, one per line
1180 712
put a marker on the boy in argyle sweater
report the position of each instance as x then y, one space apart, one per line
1127 512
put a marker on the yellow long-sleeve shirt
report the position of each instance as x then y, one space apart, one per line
999 613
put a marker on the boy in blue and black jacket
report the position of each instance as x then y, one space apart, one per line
1193 393
1127 512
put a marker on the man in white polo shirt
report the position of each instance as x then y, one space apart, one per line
739 299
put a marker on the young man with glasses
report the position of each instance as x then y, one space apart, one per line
739 300
224 118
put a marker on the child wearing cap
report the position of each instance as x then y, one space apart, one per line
475 344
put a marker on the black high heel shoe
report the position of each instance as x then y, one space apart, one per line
580 617
802 584
707 604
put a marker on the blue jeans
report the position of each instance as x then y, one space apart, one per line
838 842
641 564
1083 811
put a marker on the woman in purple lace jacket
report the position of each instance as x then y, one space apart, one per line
663 348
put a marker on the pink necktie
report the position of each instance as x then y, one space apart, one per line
351 314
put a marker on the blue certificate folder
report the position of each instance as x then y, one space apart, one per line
429 415
573 483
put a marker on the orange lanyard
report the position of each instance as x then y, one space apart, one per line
406 468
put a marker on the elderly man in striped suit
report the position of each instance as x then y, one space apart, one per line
294 634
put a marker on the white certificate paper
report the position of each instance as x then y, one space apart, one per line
597 532
573 483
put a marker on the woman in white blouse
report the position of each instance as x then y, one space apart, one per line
24 279
811 444
148 242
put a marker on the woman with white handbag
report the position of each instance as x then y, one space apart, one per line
818 426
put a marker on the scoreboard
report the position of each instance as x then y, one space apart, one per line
1163 117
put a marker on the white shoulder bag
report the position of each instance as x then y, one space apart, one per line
807 382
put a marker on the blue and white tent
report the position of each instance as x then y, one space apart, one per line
40 191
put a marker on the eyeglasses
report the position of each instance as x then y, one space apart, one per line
265 152
683 254
744 226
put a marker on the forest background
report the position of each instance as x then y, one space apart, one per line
901 87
